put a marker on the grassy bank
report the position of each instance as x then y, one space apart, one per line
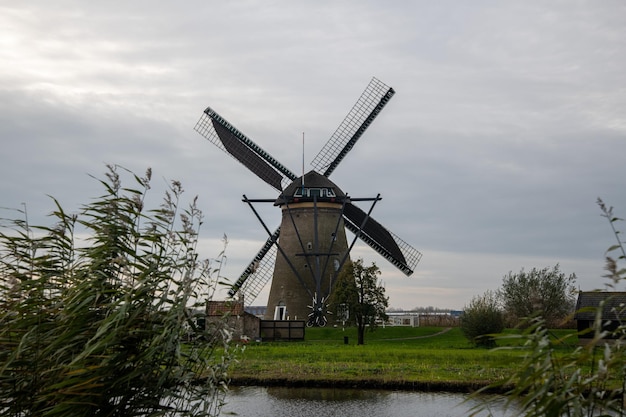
393 357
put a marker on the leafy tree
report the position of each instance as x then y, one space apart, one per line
546 292
95 326
360 290
482 319
344 297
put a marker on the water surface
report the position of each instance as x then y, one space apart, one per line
328 402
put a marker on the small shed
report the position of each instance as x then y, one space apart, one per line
613 312
245 325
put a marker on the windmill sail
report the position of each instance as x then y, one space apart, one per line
226 137
362 114
402 255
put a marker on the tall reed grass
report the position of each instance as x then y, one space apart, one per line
110 325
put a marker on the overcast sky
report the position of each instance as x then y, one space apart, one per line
509 120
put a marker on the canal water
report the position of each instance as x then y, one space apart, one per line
328 402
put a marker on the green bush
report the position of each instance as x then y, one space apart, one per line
546 292
95 311
482 319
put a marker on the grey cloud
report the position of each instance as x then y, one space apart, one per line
507 124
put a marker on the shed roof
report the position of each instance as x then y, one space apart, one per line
614 305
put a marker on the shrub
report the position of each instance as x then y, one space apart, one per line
546 292
482 319
94 326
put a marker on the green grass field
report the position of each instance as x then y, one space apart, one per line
424 357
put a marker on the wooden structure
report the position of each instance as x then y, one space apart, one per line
287 330
613 313
245 325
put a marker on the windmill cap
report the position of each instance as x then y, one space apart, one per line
312 181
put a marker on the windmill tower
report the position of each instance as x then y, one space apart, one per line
305 254
313 238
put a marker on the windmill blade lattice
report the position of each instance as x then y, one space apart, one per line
258 273
376 95
255 283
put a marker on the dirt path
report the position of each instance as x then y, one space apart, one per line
446 330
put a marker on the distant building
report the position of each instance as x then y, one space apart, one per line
403 318
417 319
258 311
613 313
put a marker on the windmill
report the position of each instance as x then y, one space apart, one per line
305 254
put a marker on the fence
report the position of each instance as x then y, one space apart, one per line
271 330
